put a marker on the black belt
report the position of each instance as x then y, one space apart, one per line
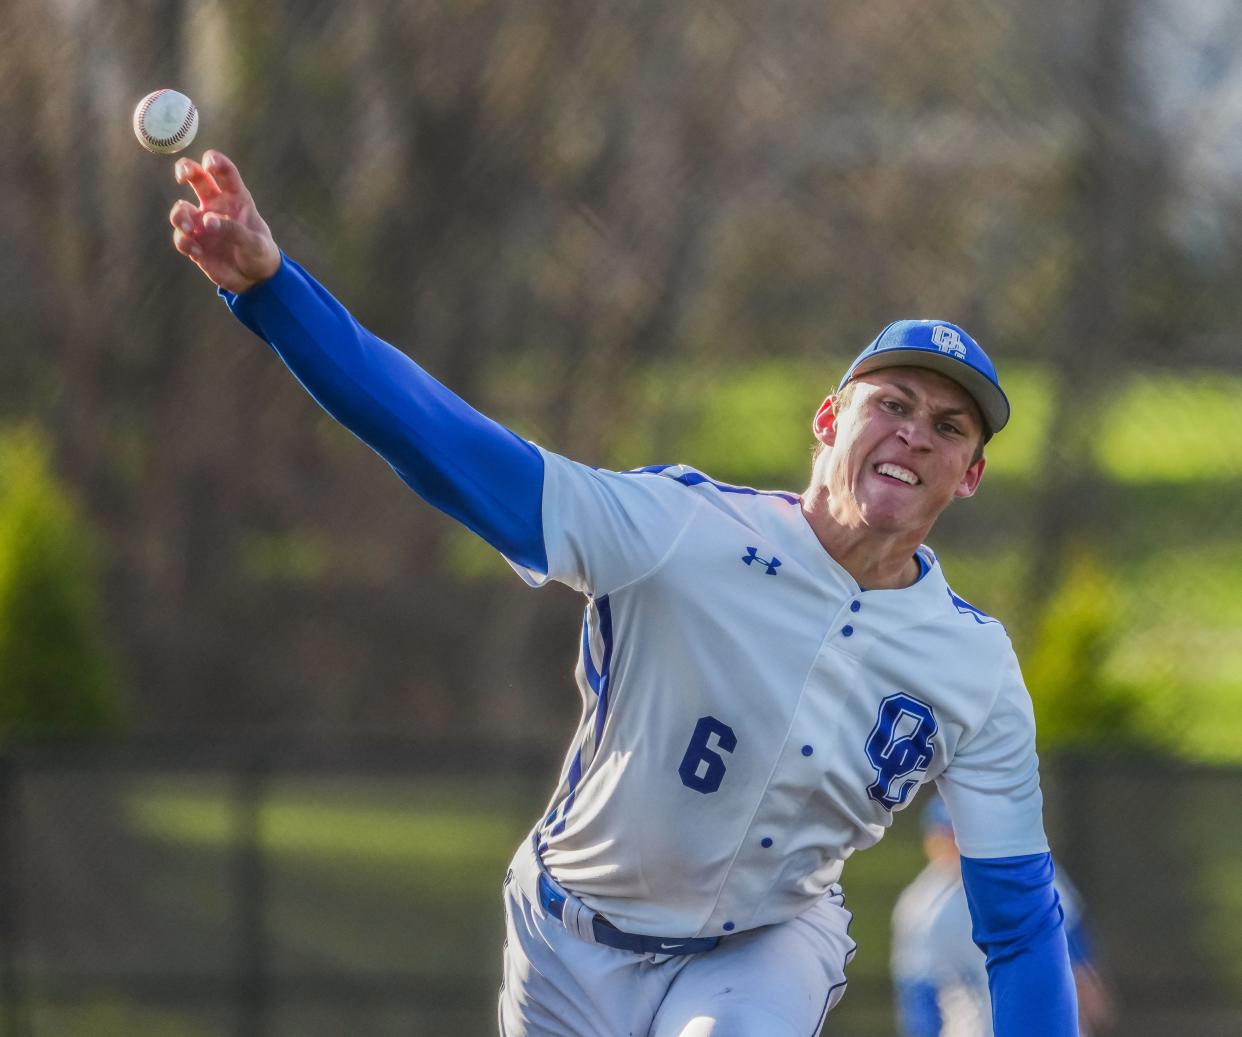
553 901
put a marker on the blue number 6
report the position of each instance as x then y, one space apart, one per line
702 768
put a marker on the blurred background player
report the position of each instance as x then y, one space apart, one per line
939 975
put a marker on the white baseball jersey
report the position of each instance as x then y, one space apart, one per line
751 715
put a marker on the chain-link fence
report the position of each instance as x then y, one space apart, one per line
260 889
201 888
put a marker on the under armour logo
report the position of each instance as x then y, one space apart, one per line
947 340
752 555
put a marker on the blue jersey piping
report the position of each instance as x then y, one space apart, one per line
693 478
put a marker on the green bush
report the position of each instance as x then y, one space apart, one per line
55 671
1077 701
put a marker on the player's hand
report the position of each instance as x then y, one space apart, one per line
224 233
1095 1004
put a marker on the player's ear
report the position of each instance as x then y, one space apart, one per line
970 481
824 424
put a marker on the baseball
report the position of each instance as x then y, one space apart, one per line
165 122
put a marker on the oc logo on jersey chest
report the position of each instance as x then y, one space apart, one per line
900 748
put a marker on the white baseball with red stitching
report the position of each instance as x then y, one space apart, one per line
165 121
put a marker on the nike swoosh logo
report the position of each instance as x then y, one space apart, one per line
671 946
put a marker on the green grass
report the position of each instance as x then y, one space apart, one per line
407 843
751 424
356 873
1173 430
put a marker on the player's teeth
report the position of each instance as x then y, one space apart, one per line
904 474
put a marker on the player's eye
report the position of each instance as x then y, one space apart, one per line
892 406
949 429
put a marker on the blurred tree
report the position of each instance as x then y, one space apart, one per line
633 232
55 672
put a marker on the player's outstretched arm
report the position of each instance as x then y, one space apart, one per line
223 234
457 459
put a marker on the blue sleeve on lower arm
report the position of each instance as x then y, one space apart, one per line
1018 925
465 464
918 1010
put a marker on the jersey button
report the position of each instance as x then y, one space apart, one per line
855 606
727 927
766 841
847 631
807 750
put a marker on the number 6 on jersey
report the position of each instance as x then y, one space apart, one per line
702 768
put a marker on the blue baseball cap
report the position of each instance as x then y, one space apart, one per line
946 349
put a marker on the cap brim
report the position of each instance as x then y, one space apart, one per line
992 402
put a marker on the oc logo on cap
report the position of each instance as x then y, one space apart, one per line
947 340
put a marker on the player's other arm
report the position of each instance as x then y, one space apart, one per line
457 459
991 788
1095 1004
1018 924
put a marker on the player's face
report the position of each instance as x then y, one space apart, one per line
902 448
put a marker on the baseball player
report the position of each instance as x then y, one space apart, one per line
765 677
939 977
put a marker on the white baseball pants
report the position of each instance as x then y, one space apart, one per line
778 981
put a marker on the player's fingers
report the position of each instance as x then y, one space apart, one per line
184 215
182 169
190 172
185 244
221 232
225 173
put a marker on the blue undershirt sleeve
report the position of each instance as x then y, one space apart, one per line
918 1011
1018 924
455 458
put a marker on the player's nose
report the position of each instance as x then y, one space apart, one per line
916 433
